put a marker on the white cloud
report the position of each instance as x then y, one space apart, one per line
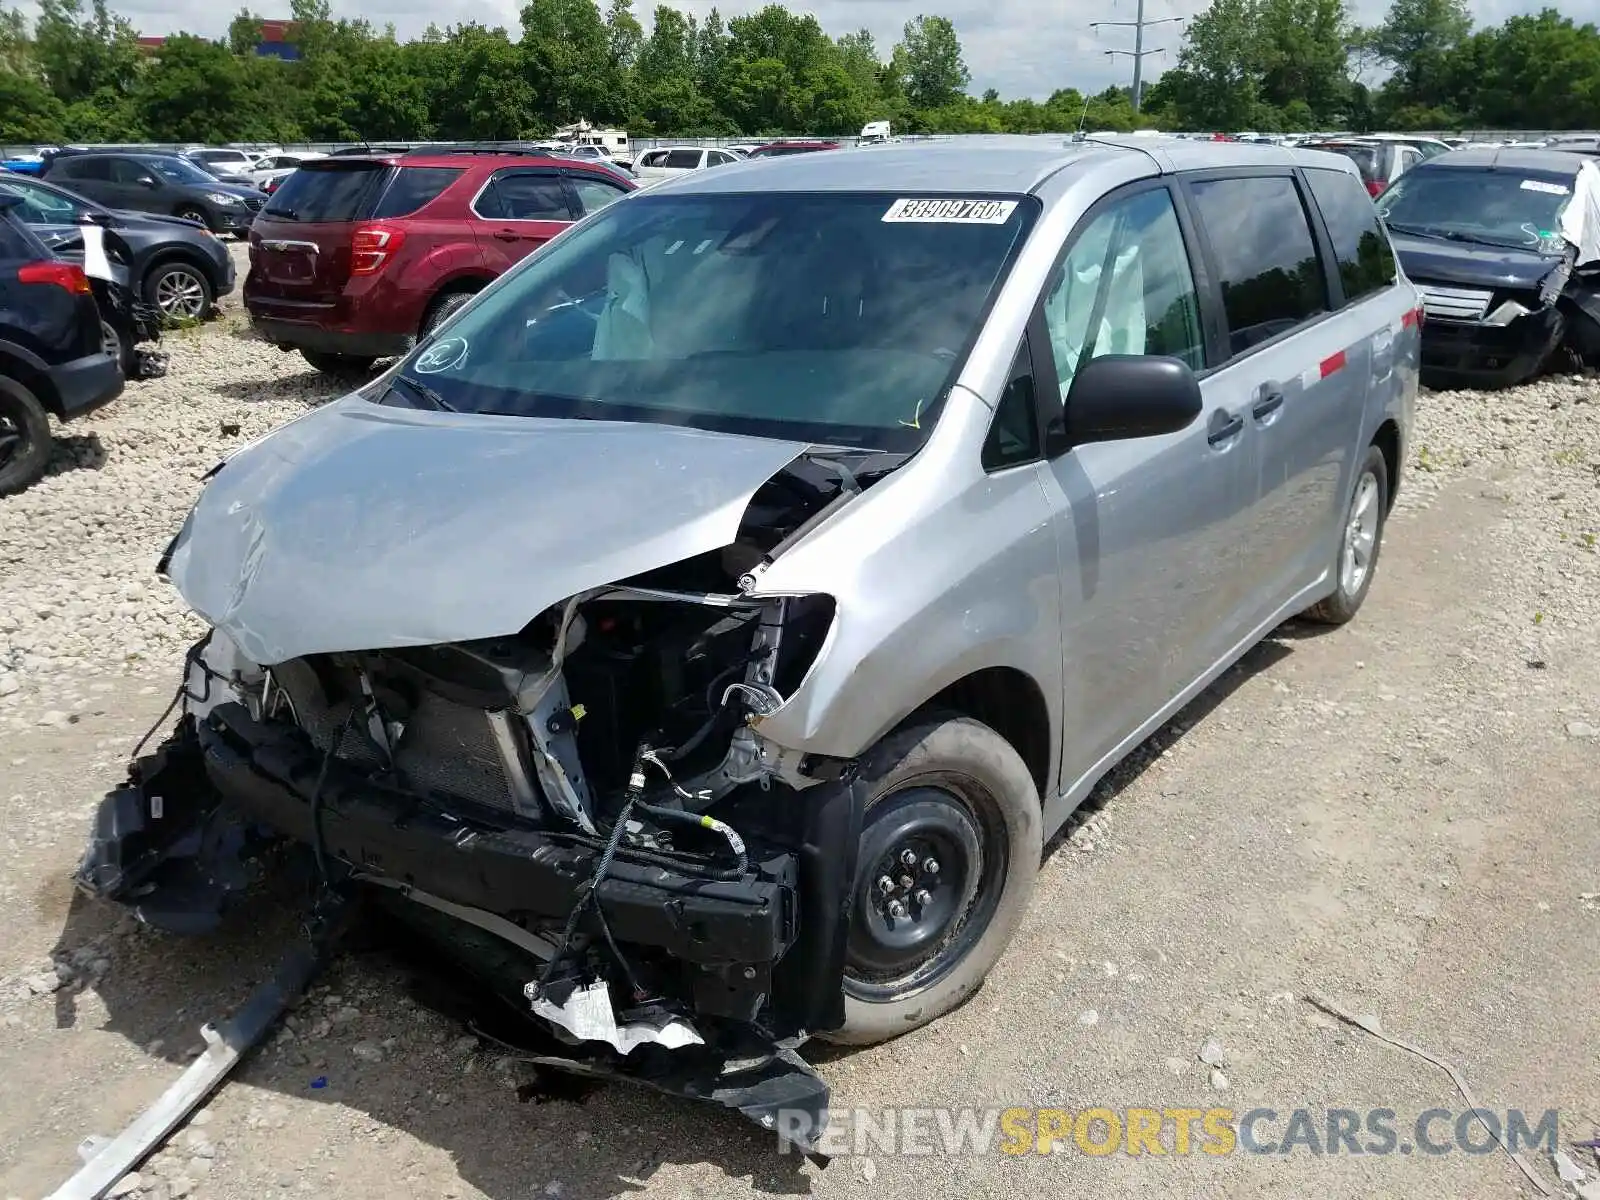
1019 47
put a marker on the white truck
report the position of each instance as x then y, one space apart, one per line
874 133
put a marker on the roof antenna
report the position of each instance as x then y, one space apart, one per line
1082 117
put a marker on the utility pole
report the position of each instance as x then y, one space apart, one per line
1138 52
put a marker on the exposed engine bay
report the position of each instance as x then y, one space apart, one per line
592 790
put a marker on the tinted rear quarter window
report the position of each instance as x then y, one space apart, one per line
1366 263
413 187
1364 157
683 160
332 193
1265 258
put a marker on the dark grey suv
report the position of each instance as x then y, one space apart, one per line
157 183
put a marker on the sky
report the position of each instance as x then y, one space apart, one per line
1018 47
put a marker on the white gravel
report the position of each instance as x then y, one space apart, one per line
78 589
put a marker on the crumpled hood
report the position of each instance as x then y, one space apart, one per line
362 527
1470 264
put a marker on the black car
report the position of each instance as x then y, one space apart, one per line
168 184
1480 233
174 265
52 361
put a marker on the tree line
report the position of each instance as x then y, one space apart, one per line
77 73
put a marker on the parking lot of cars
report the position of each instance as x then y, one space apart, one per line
1332 865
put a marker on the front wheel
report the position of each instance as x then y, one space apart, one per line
1360 539
950 845
193 214
180 291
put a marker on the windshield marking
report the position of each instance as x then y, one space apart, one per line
952 212
1539 185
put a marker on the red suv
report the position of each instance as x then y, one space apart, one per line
355 257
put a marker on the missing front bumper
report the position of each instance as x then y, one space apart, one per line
177 844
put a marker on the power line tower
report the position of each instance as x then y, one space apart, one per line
1138 53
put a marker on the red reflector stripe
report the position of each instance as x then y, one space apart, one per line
1332 363
1410 317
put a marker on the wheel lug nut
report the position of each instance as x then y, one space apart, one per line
930 866
908 858
923 897
897 910
885 884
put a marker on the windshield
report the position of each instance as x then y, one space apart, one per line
179 170
1497 208
834 318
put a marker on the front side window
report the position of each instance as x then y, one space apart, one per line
1492 208
178 170
1366 263
1125 287
838 318
595 194
1266 259
127 170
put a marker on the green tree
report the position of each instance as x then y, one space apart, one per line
28 112
83 54
568 49
244 32
191 92
930 62
1417 38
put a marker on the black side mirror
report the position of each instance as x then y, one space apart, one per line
1120 396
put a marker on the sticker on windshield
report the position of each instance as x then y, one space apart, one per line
1539 185
952 212
441 356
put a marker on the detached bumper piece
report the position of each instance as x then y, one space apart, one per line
176 844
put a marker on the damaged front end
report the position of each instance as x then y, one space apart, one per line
592 789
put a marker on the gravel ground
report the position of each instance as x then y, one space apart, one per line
1398 815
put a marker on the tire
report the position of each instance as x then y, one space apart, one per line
946 785
1364 515
24 437
190 213
180 291
114 344
340 365
442 309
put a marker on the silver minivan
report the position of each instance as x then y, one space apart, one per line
722 610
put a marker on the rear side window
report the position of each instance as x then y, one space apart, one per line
1366 263
594 194
85 168
331 193
414 187
517 196
683 160
1366 158
1266 260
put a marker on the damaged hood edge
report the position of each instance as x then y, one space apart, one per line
362 527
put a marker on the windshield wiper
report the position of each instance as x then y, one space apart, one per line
422 391
288 214
1418 231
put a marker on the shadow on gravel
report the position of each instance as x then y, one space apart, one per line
75 452
311 388
1266 654
388 1030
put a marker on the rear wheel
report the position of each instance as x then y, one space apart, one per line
24 437
342 365
950 846
182 292
1361 537
442 309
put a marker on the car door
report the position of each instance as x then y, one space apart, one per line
136 185
518 210
1292 370
90 177
1148 530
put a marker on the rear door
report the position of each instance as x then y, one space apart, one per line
518 210
90 177
300 245
1295 370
